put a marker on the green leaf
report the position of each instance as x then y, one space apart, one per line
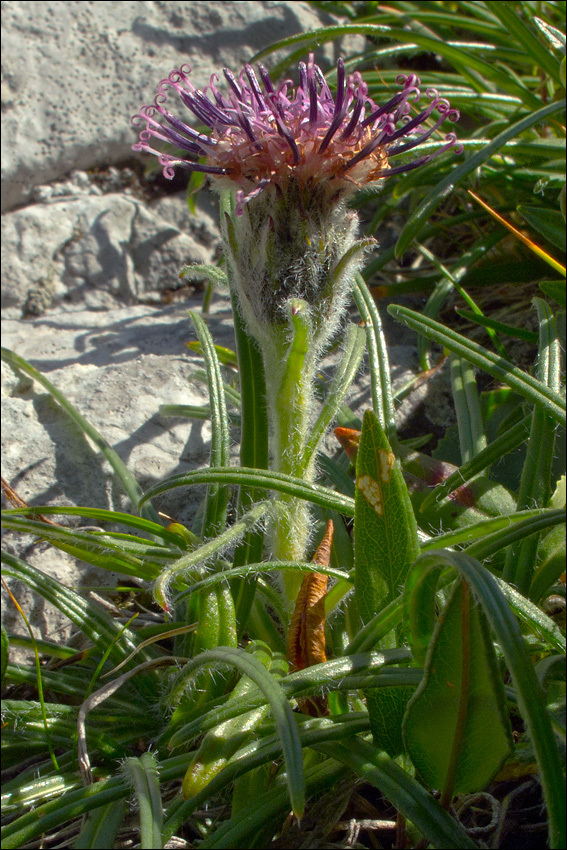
281 712
551 555
462 59
555 289
530 388
521 33
218 494
101 826
345 373
536 482
555 37
99 627
220 743
261 478
4 651
385 530
502 445
385 546
254 452
489 592
550 223
380 382
212 274
143 774
472 438
401 789
500 327
458 710
183 566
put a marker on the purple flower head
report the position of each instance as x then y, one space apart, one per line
259 134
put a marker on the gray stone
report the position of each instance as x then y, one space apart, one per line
74 73
77 246
117 367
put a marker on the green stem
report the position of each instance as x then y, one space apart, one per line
291 397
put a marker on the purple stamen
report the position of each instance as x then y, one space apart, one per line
340 107
255 88
255 126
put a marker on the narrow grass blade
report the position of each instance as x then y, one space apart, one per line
218 494
214 547
402 790
281 712
262 479
95 623
253 454
422 214
472 438
526 386
519 30
100 515
536 483
505 443
142 773
344 375
101 827
381 385
500 327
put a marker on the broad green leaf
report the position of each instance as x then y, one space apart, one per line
495 597
385 530
458 710
550 223
385 546
551 562
555 289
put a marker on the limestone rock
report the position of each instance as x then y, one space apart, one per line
74 73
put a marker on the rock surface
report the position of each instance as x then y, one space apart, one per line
74 73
